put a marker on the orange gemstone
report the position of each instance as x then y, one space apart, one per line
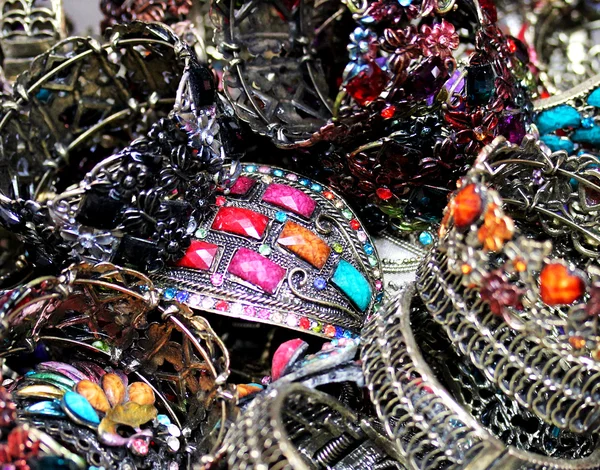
496 229
466 269
304 244
520 265
467 206
559 286
577 342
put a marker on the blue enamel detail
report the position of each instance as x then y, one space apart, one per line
46 408
79 408
557 118
353 284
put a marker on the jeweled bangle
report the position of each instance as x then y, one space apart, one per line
422 417
114 356
80 101
294 427
484 270
137 207
281 249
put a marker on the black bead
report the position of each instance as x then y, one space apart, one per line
136 252
373 218
99 210
202 84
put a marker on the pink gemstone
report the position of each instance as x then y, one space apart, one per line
242 185
256 269
378 285
290 198
217 279
264 169
362 236
194 301
292 320
199 255
292 177
263 314
249 311
240 221
140 446
285 356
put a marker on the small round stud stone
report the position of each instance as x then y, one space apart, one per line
265 250
320 283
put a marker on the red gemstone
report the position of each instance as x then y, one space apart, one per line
328 195
388 112
222 306
304 323
242 185
240 221
290 198
354 224
384 194
220 201
559 286
199 255
367 85
256 269
488 7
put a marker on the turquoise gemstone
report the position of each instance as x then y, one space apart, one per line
557 118
163 419
587 122
250 168
594 98
281 217
425 238
587 136
170 293
46 408
556 143
78 408
353 284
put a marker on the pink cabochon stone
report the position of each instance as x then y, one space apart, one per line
286 355
256 269
289 198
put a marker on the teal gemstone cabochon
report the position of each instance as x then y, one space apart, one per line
353 284
558 118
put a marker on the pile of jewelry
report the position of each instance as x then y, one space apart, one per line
290 234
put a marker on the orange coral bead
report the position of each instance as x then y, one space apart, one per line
141 393
114 388
93 394
467 206
559 286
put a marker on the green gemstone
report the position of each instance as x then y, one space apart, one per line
101 345
201 233
348 214
338 248
373 260
317 327
265 250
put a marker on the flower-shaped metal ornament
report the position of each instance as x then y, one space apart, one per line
280 249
